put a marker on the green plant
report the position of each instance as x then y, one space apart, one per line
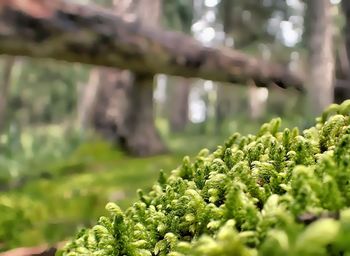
274 193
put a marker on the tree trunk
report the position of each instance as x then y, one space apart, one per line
142 137
78 33
321 58
257 98
227 97
342 90
226 101
112 104
223 93
342 87
124 112
346 10
87 99
178 104
342 61
9 63
342 83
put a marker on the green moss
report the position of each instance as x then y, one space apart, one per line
275 193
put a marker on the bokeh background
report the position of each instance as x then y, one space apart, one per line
65 150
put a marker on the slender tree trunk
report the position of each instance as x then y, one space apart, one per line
226 100
9 63
205 125
322 63
223 95
227 97
257 98
178 97
87 99
346 10
342 86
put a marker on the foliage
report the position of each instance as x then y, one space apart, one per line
275 193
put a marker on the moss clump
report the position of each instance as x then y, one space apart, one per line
275 193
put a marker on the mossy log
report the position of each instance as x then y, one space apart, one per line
89 34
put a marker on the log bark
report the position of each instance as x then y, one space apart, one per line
88 34
43 250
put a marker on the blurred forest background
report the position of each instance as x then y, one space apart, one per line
73 136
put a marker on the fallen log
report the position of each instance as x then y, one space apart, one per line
42 250
88 34
35 251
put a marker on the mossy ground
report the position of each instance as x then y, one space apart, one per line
253 195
